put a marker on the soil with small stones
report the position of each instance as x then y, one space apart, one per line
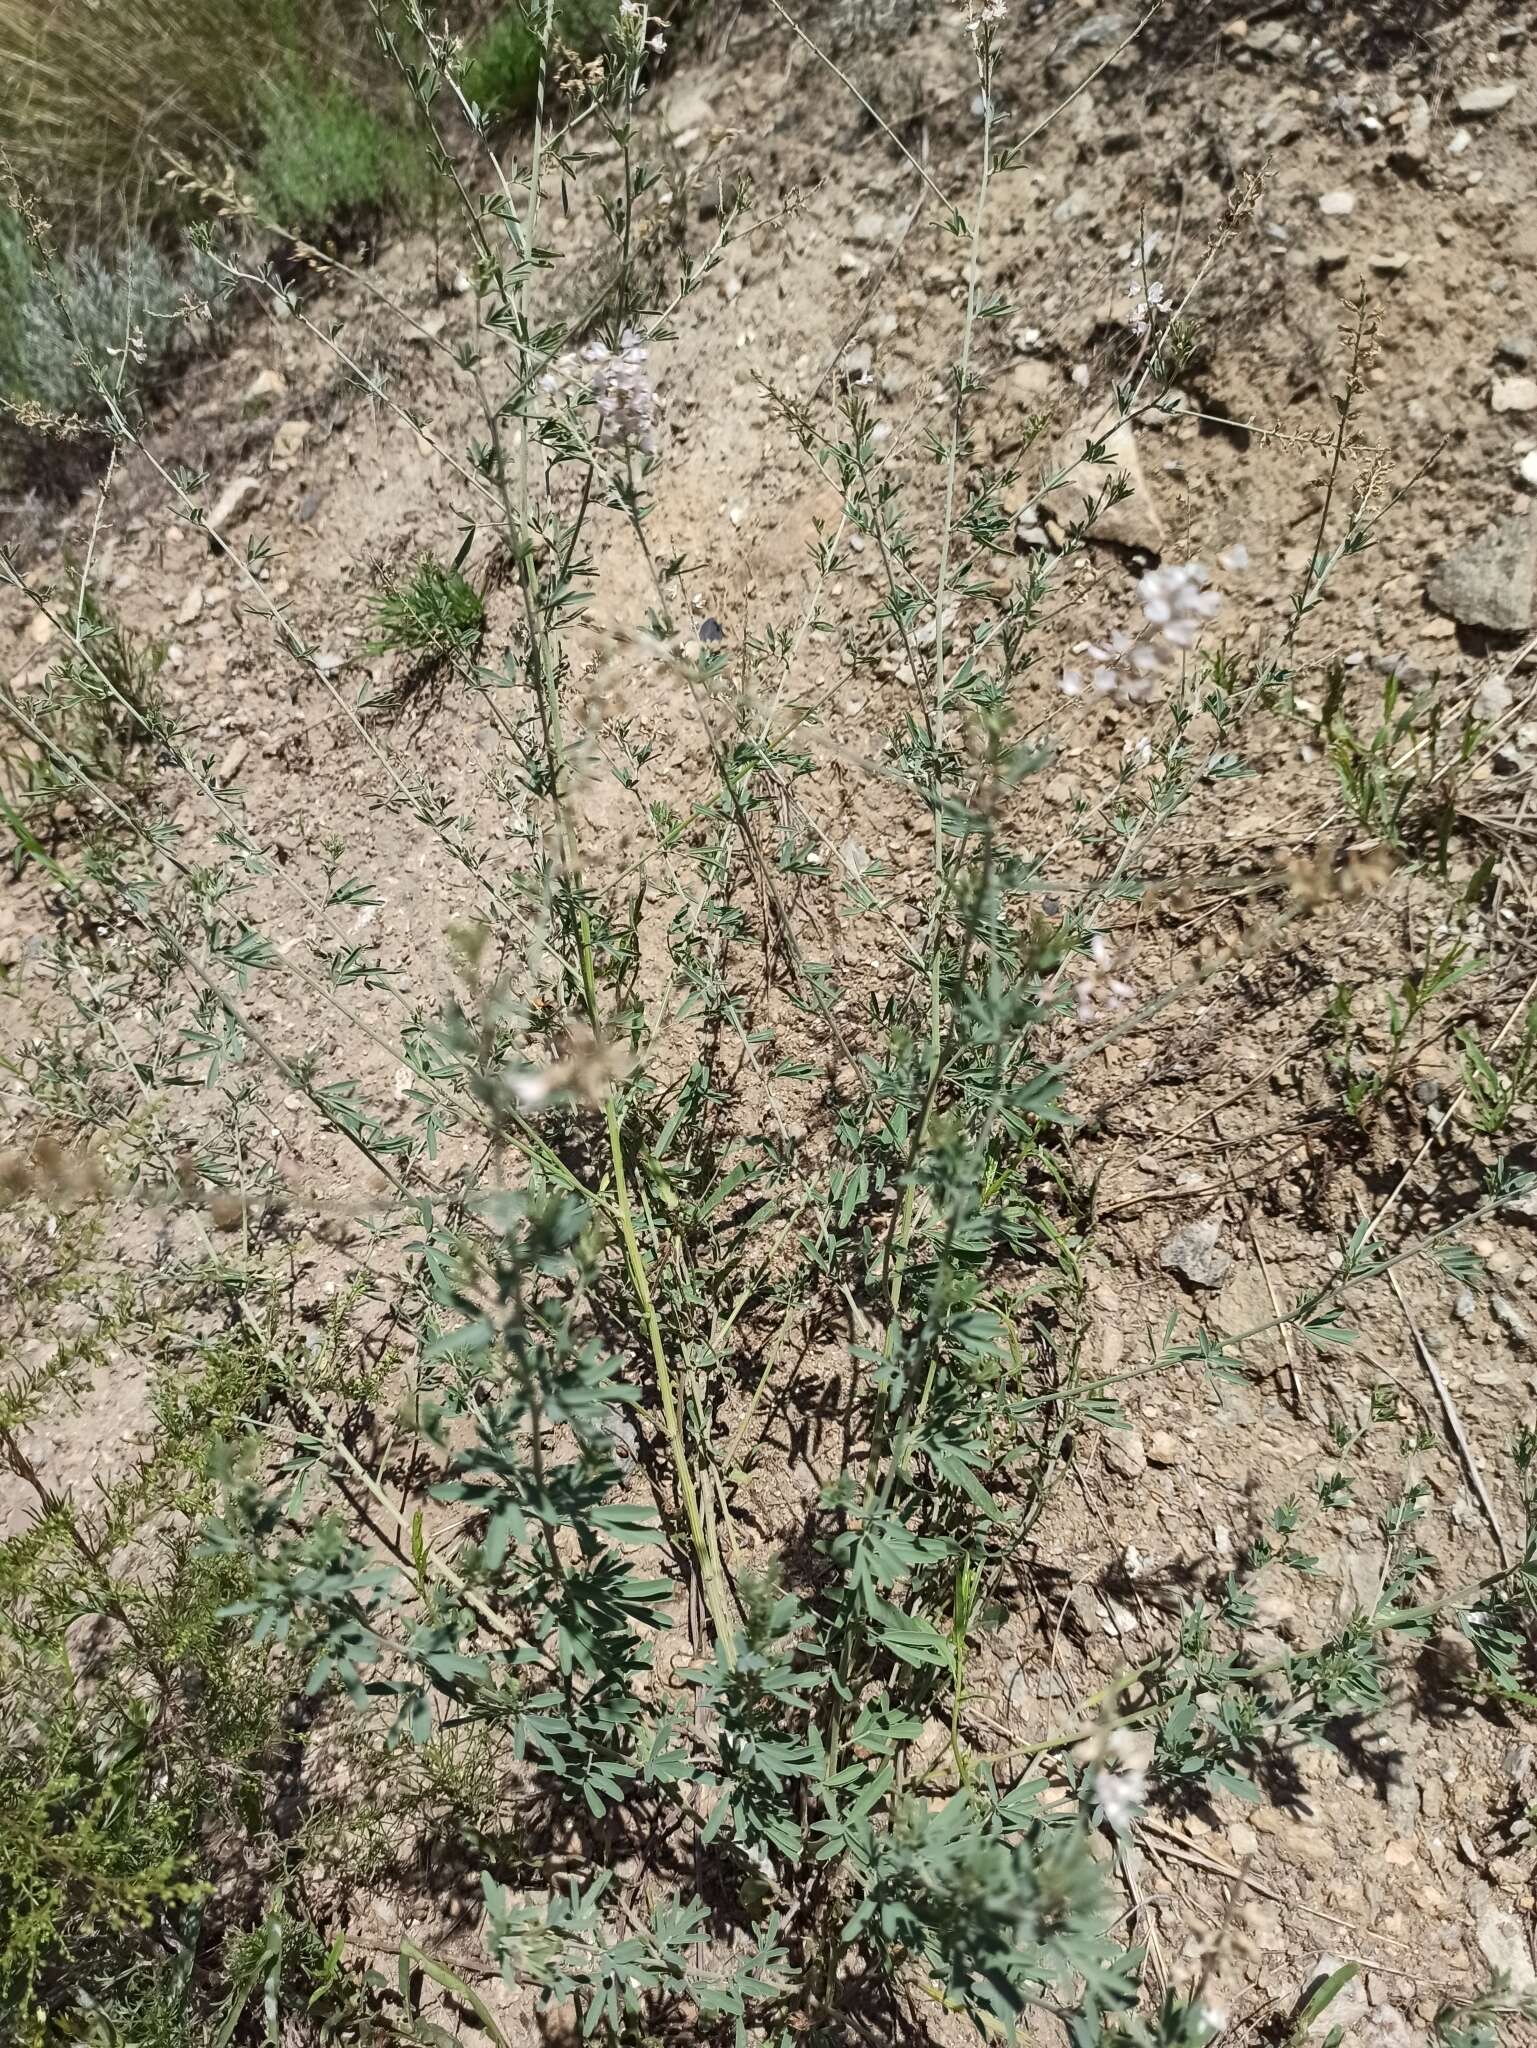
1403 1846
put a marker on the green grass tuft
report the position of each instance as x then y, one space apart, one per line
433 611
501 71
327 160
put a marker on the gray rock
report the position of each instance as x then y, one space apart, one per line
1191 1251
1136 522
1126 1453
1489 581
1486 99
1520 349
1513 394
1528 469
1493 700
1510 1320
1465 1307
856 362
1349 2005
1360 1581
689 107
1411 148
1336 205
1088 35
1502 1939
241 495
265 384
289 439
1387 2028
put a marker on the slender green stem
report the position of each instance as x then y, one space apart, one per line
707 1555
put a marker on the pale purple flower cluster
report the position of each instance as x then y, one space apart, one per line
1176 602
1098 994
618 381
1148 301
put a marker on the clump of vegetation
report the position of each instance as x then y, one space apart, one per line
328 160
502 64
116 110
103 97
15 289
74 320
81 743
135 1716
433 611
456 1464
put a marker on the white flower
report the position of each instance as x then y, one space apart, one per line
658 43
1176 602
1121 1796
1147 302
619 383
1177 594
1100 994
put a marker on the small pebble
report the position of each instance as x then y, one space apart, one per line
1486 99
1510 1319
1125 1453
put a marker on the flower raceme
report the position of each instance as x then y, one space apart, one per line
1177 602
621 387
986 15
1097 993
635 11
1148 302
